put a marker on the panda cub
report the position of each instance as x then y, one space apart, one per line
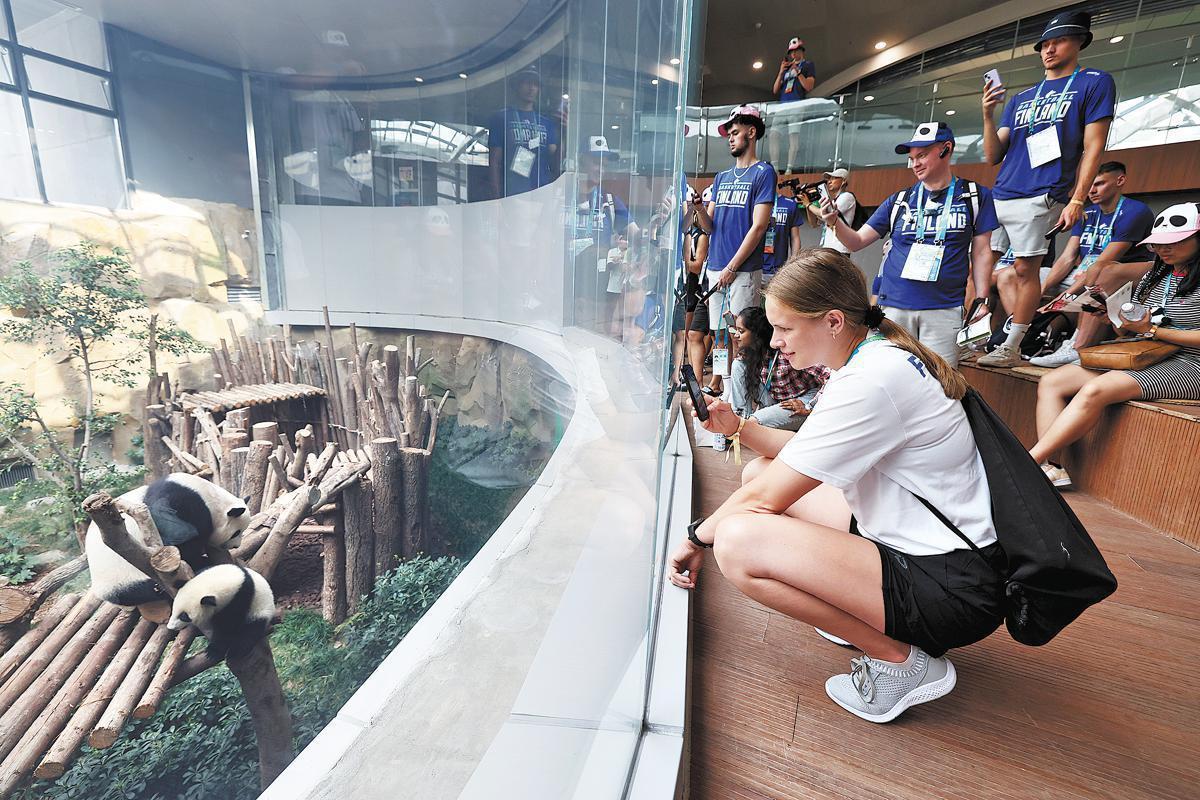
231 605
190 513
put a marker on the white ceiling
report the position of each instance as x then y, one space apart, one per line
383 36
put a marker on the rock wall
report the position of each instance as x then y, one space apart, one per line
186 252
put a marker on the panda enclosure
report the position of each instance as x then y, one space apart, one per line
315 443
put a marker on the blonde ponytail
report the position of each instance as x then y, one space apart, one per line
818 280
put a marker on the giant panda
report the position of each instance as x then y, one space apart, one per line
190 513
231 605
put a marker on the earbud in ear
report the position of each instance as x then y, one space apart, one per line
945 152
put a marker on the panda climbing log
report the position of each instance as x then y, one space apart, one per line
231 605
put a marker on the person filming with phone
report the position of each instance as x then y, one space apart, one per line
888 429
1048 143
940 233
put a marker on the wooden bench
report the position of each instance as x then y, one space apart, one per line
1139 458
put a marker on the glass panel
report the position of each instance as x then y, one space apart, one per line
70 84
6 68
79 156
17 178
1146 91
60 29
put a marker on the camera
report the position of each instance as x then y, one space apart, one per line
811 191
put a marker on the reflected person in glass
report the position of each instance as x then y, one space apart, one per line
522 142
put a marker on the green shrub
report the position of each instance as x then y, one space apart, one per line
200 745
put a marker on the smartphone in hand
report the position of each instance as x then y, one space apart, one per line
699 401
992 76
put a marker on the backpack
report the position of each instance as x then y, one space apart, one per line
860 214
1054 570
970 191
1047 331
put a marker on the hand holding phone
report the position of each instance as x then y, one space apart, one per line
1055 231
991 78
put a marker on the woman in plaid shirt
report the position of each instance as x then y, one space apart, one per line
765 386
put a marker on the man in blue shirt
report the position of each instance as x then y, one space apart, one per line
782 237
1050 138
523 144
1103 251
738 216
940 233
795 80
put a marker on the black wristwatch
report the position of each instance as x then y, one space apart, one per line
691 532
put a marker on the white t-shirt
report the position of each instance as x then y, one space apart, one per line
846 206
884 430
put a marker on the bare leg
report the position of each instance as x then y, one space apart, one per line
696 352
1083 412
1008 287
1029 289
678 349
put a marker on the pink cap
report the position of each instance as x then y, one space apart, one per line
1175 224
743 111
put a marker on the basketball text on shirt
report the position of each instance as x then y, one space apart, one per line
1046 108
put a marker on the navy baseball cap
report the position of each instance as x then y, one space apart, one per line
1068 23
926 134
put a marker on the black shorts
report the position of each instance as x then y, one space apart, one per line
699 318
941 601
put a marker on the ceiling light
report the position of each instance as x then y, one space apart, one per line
566 96
868 98
654 82
462 75
880 45
757 65
419 79
1116 40
674 62
616 127
950 113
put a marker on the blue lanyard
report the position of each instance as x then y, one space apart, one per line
1037 96
875 337
721 339
770 375
1111 227
1167 287
943 223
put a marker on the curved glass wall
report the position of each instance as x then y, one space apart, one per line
1150 47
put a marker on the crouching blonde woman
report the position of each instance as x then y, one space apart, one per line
888 427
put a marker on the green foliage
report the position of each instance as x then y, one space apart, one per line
201 746
14 557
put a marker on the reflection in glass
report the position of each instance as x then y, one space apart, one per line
79 156
47 77
17 178
60 29
6 69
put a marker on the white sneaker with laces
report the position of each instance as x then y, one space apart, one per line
1002 356
1065 354
879 691
1057 475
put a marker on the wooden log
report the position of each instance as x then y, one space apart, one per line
359 542
237 420
412 408
19 603
154 454
387 483
27 671
265 432
68 742
21 650
57 712
209 426
140 514
416 503
231 479
271 552
254 479
187 461
105 732
276 478
333 581
323 530
170 568
322 464
304 446
164 678
269 713
17 716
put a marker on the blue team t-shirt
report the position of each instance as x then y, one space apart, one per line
949 290
791 88
1096 230
735 193
1092 98
511 129
779 235
595 224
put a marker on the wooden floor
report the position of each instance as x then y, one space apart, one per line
1109 709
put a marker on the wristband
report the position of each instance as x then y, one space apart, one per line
691 534
1075 202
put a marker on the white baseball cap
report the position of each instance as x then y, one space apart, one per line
840 172
1175 224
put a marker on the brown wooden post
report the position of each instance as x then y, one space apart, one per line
154 453
254 479
360 542
387 483
416 503
333 584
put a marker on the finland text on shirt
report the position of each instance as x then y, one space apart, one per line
735 194
777 242
520 135
1130 222
1090 98
950 287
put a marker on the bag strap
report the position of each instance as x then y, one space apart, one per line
972 194
933 510
896 201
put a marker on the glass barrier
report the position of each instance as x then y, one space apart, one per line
1153 56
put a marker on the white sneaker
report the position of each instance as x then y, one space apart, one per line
1002 356
1057 475
1065 354
832 638
879 692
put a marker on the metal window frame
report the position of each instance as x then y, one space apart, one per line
17 53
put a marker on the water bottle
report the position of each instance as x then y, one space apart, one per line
719 442
1133 312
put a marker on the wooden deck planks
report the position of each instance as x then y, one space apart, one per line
1107 710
